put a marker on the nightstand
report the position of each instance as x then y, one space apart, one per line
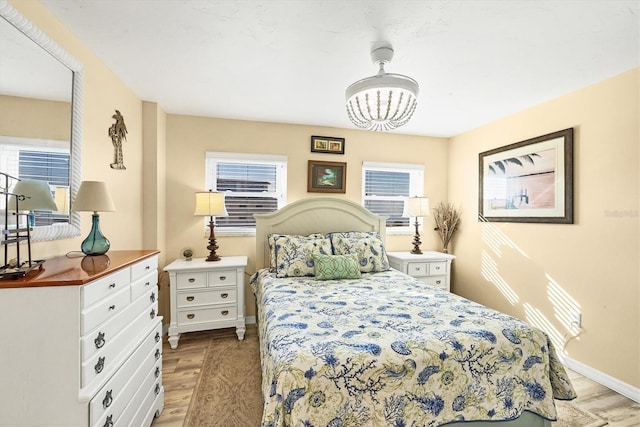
433 268
206 295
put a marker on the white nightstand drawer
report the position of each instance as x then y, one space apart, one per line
222 278
437 268
192 280
213 314
104 310
198 298
437 281
104 287
418 269
145 266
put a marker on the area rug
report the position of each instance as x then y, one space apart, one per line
228 390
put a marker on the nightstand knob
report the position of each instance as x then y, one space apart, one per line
191 280
224 295
190 316
417 268
438 282
223 277
190 298
225 312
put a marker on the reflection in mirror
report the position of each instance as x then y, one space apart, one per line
41 121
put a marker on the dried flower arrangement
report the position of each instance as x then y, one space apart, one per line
447 220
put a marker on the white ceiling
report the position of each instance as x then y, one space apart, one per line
291 60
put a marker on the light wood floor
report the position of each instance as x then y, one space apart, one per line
181 368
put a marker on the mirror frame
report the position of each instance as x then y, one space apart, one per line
22 24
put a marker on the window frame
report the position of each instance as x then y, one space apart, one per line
416 173
212 158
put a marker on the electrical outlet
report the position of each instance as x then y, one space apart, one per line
576 319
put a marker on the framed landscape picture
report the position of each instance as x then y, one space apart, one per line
326 177
529 181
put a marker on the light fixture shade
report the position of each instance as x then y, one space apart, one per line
93 196
382 102
210 203
416 207
37 193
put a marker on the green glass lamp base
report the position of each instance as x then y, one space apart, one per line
95 243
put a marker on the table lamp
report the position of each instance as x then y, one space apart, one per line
93 196
37 196
417 207
211 203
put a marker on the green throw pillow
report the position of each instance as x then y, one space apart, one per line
330 267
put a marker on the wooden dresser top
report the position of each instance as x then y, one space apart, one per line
73 271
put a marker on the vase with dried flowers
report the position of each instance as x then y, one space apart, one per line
447 220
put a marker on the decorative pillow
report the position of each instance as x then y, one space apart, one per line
330 267
294 255
271 239
368 246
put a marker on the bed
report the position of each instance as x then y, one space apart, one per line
377 347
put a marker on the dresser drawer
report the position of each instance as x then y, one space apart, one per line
222 278
143 284
418 269
195 316
437 281
212 296
191 280
143 267
136 411
104 287
437 268
111 400
104 361
104 310
104 334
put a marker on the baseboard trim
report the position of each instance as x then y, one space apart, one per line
614 384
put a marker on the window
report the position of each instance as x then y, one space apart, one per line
46 160
252 183
385 186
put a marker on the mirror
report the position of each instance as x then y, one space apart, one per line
43 81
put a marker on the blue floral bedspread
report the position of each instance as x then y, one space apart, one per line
387 350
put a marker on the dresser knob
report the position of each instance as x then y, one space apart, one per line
157 336
157 389
438 282
111 286
147 267
152 314
190 316
112 307
147 284
99 341
224 295
223 277
225 312
108 399
157 354
157 372
100 365
417 268
190 298
191 280
152 297
109 421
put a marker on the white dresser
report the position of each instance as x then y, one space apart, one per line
206 295
433 268
81 343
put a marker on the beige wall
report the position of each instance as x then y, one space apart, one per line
103 93
35 118
189 138
592 264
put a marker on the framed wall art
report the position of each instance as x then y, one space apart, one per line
327 144
326 177
529 181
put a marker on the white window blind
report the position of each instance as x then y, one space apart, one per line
252 183
45 160
385 187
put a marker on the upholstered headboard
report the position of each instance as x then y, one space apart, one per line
314 215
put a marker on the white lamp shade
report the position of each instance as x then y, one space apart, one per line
37 193
416 207
210 203
93 196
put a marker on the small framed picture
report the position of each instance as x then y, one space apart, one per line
327 144
327 177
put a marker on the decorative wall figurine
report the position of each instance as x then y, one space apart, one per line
118 132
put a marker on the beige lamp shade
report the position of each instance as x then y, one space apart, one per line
61 197
416 207
37 196
210 203
93 196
